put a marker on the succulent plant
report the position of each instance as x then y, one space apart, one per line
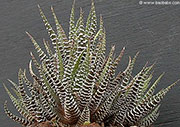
77 85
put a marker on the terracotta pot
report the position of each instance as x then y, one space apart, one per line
91 125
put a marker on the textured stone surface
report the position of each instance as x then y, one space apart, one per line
152 30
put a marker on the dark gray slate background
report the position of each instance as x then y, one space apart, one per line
152 30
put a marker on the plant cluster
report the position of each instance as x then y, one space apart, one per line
77 85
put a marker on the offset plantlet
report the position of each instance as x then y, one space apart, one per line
77 85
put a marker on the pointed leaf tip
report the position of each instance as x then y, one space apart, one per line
5 102
30 36
30 65
31 54
39 6
81 11
113 47
52 9
92 2
74 1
